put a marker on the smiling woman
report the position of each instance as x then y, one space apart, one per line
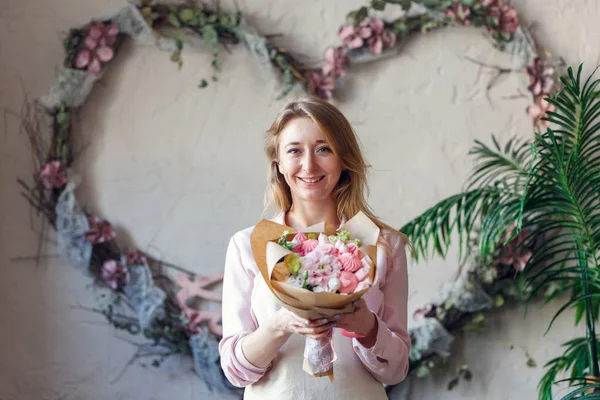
181 199
317 174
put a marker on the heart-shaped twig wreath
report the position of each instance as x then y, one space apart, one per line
135 282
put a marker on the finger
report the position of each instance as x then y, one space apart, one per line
321 336
313 331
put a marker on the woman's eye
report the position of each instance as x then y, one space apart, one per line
293 151
324 149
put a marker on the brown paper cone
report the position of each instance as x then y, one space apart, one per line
303 302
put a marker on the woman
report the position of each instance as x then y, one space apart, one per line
317 174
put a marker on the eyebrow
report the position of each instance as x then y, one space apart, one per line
298 143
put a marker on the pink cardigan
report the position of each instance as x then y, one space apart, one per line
387 360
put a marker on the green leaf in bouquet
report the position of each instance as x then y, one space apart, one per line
228 20
344 235
293 262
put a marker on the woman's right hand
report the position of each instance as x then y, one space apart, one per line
286 321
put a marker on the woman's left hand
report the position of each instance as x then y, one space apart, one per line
361 321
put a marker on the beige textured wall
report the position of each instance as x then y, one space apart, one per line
166 161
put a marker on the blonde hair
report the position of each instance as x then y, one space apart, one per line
352 189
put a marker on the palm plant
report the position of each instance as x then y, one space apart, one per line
549 188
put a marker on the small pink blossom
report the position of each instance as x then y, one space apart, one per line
320 85
541 77
506 16
354 36
134 257
54 175
516 253
336 62
97 49
459 13
113 274
538 110
320 268
380 39
100 230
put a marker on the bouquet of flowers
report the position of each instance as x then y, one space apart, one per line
318 273
322 263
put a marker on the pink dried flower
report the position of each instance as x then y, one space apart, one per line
459 13
539 109
113 274
54 175
97 44
541 77
134 257
505 15
380 39
354 36
516 253
321 85
100 231
422 312
336 62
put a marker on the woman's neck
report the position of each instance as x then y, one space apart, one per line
305 214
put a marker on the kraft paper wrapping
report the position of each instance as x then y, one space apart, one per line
269 257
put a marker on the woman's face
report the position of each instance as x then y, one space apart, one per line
307 162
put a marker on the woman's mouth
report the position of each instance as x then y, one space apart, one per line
311 180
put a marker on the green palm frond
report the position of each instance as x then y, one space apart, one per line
490 204
581 393
507 164
574 357
552 195
562 201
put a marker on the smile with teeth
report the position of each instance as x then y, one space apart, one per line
311 180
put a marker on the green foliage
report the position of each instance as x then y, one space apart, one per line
551 187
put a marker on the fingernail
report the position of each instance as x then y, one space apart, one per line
324 320
334 324
336 316
306 321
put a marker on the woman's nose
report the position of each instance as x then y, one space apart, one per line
308 162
